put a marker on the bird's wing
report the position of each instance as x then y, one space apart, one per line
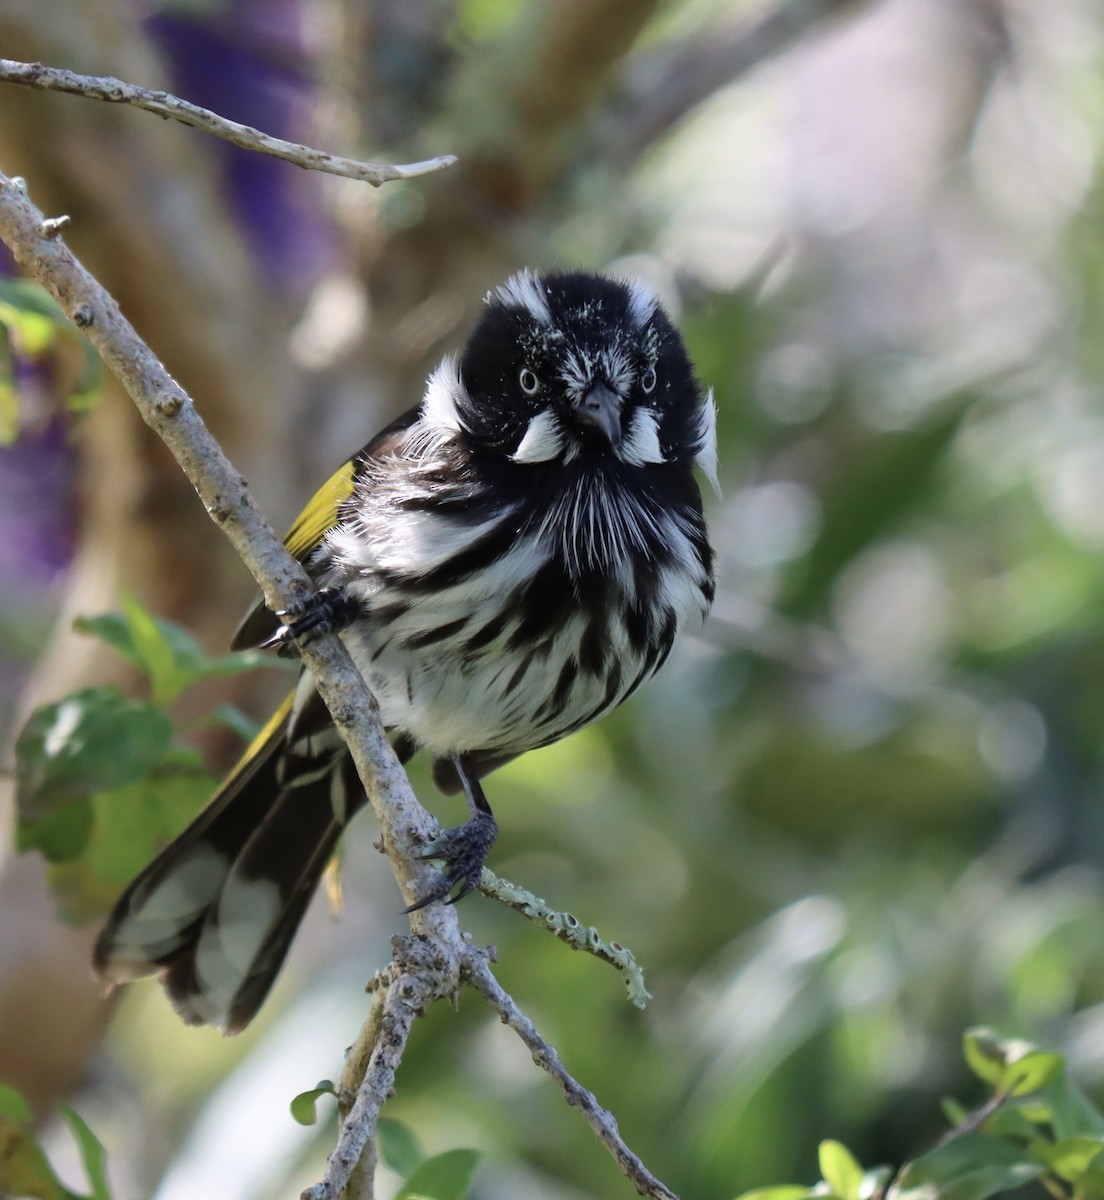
318 517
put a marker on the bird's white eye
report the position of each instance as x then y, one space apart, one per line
530 384
648 379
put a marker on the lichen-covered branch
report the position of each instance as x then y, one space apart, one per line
568 929
164 104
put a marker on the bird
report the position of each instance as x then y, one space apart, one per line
506 562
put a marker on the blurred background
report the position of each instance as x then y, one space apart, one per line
860 810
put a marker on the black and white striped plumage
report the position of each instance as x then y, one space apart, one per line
512 558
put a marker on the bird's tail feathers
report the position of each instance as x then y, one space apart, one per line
215 912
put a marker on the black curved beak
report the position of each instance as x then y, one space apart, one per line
600 409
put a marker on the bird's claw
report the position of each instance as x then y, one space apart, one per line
327 610
463 850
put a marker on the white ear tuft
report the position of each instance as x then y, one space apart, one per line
440 419
642 302
524 290
705 457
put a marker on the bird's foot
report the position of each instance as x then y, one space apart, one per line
463 850
327 610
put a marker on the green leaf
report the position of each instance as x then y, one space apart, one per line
1012 1066
399 1148
92 741
32 322
953 1112
12 1104
783 1191
1015 1121
1072 1114
30 316
166 650
112 629
1090 1184
132 823
59 836
446 1176
840 1170
24 1168
1031 1073
23 296
303 1106
162 650
1069 1158
971 1167
985 1053
233 718
9 407
92 1154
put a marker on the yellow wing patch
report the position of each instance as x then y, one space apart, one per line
261 742
320 513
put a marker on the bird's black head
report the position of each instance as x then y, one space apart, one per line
568 366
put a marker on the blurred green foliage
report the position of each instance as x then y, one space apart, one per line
34 333
1036 1127
101 781
25 1169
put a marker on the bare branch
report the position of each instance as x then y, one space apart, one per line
417 976
477 972
164 104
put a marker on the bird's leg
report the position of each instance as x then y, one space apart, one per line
463 849
327 610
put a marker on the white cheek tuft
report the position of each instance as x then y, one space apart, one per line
642 302
524 290
443 391
543 439
641 442
440 419
705 457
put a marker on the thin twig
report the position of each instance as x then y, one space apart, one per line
402 994
164 104
361 1183
476 972
569 929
